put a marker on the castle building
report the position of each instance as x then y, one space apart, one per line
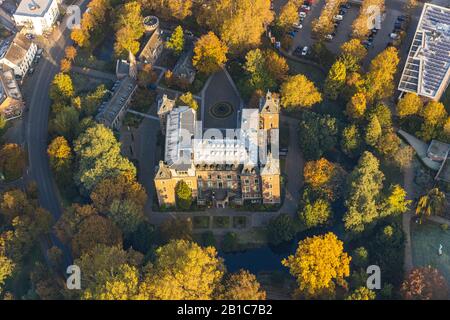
221 166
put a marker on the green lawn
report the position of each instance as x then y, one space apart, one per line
425 244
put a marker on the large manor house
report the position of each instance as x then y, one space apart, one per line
221 166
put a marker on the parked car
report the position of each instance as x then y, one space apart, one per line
374 31
401 18
298 25
305 51
394 36
338 17
29 36
188 34
308 2
329 37
30 71
306 7
342 12
345 5
302 14
40 51
291 34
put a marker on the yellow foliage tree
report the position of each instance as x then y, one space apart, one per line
298 91
409 105
210 54
183 271
357 105
318 265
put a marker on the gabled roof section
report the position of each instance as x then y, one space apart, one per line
163 171
270 103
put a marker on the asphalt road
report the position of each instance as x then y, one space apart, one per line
36 124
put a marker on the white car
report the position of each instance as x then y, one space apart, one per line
302 14
329 37
394 36
306 7
297 26
305 51
338 17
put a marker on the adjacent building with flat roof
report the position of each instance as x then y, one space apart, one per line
427 68
36 16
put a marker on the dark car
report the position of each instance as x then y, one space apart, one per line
345 5
401 18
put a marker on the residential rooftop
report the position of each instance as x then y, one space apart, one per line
33 8
427 69
15 48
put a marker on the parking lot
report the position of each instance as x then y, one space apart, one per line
343 31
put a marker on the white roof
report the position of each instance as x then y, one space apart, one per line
427 68
33 8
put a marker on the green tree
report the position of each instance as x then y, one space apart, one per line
98 155
13 160
317 134
298 91
176 41
352 143
210 54
183 195
360 257
433 203
176 228
335 80
281 229
316 213
365 185
66 123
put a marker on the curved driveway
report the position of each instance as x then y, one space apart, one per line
36 124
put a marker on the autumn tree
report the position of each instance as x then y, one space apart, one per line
170 9
129 29
98 155
241 286
188 99
71 53
352 53
324 177
409 105
183 195
61 88
362 293
425 283
396 201
319 264
298 91
210 54
183 270
356 107
176 41
13 160
92 231
240 23
380 78
288 15
109 273
365 185
65 65
363 23
433 203
7 266
434 116
373 131
335 80
61 157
